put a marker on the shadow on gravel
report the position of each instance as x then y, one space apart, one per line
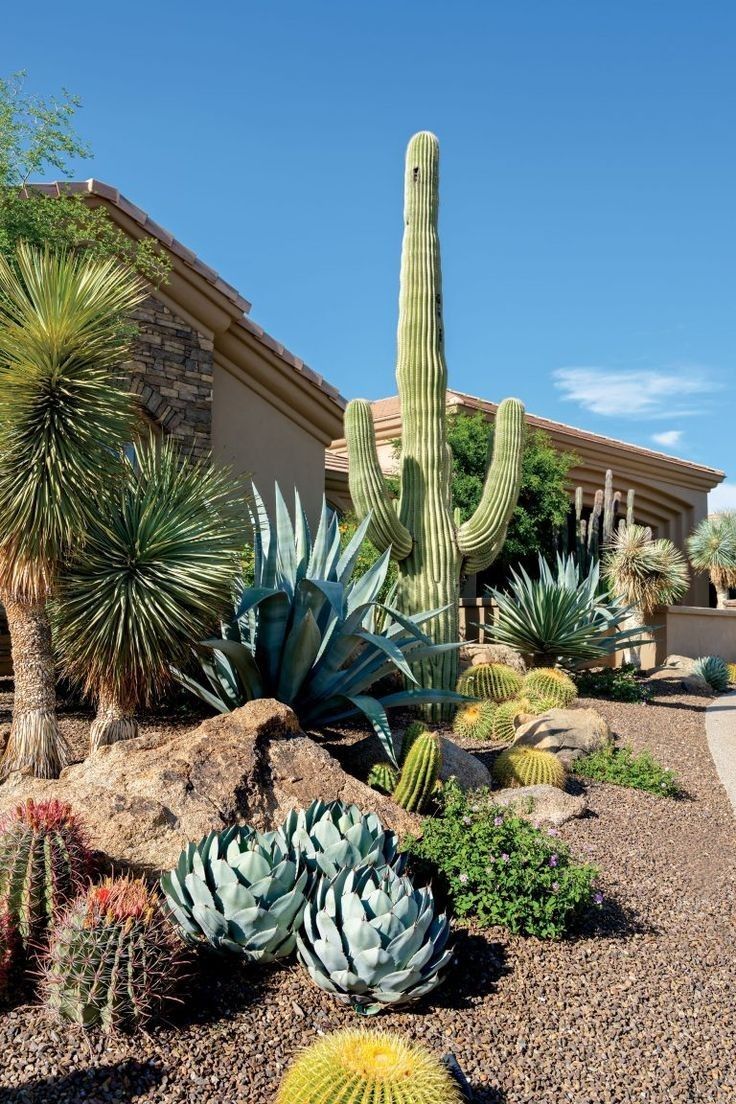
613 921
486 1095
479 966
113 1084
217 990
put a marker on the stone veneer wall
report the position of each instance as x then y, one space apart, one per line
172 371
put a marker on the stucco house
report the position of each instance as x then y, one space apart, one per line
671 494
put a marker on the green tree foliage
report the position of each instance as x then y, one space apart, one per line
544 499
38 139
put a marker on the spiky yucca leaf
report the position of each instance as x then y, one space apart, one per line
373 1067
712 548
646 573
156 569
63 416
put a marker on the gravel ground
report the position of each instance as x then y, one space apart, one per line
640 1007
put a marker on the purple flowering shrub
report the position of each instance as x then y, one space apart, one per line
498 869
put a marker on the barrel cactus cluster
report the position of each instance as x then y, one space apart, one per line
373 940
528 766
496 682
44 864
367 1067
113 959
550 687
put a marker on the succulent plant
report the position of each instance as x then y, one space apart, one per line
367 1067
419 773
432 548
495 681
549 684
332 835
307 631
475 721
373 940
383 777
241 891
528 766
416 728
504 720
114 957
44 864
714 670
8 948
731 673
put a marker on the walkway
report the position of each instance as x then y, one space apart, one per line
720 729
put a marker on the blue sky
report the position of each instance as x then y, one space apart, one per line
588 183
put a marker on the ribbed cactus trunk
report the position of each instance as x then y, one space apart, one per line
432 552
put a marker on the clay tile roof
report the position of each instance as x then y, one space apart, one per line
98 188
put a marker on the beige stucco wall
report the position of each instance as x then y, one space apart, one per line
691 631
254 438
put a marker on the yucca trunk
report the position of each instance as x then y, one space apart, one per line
632 652
35 743
115 720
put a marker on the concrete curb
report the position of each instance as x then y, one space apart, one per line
720 731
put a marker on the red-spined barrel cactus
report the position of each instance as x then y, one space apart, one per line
44 864
8 947
114 957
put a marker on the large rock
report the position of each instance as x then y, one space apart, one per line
143 799
543 805
359 752
569 733
473 654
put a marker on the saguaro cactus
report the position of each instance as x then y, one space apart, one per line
432 550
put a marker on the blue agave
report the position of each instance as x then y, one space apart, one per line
312 635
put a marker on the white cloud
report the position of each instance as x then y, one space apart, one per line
669 438
647 394
722 498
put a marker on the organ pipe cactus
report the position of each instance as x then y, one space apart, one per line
433 551
240 891
329 836
44 864
373 940
367 1067
419 773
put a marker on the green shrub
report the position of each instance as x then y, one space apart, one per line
614 683
497 868
622 767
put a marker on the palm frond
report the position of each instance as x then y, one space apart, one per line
156 571
64 413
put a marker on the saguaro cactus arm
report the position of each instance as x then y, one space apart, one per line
367 485
481 537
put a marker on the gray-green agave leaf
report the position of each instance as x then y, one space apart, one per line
373 940
714 671
330 836
239 890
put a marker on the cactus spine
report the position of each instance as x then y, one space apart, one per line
113 958
528 766
433 552
419 773
383 777
44 863
362 1067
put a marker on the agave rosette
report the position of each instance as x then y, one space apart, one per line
373 940
240 891
312 635
329 836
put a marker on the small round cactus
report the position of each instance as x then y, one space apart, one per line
44 864
492 681
551 685
528 766
475 721
370 1067
383 777
504 720
419 773
8 948
114 958
414 729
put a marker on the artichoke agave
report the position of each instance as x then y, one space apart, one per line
307 632
240 891
371 939
330 836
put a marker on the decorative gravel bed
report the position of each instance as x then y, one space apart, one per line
640 1007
